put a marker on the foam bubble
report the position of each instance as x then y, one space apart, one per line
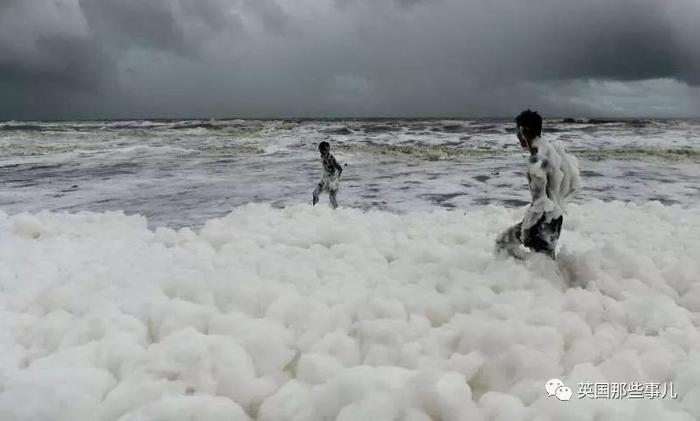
305 313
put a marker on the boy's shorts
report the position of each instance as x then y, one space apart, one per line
329 184
543 236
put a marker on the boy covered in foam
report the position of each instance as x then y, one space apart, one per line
553 178
331 175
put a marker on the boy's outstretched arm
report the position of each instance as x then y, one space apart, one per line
337 166
537 182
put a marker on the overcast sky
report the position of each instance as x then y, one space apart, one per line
285 58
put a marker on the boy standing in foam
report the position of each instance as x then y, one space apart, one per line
553 178
331 175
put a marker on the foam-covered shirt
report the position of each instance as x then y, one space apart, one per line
553 178
330 166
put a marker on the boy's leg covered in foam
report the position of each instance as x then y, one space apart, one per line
509 242
333 186
540 238
333 198
328 185
543 236
317 192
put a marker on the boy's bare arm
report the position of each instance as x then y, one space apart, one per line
337 166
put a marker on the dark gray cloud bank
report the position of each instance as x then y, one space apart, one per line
268 58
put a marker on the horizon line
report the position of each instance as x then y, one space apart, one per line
346 118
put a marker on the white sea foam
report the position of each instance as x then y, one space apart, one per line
308 314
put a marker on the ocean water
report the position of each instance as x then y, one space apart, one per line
184 172
223 295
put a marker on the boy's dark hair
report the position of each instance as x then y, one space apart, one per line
531 120
324 146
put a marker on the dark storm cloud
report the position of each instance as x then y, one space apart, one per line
50 48
136 23
176 26
271 14
548 39
127 58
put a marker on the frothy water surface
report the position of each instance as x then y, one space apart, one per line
181 173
